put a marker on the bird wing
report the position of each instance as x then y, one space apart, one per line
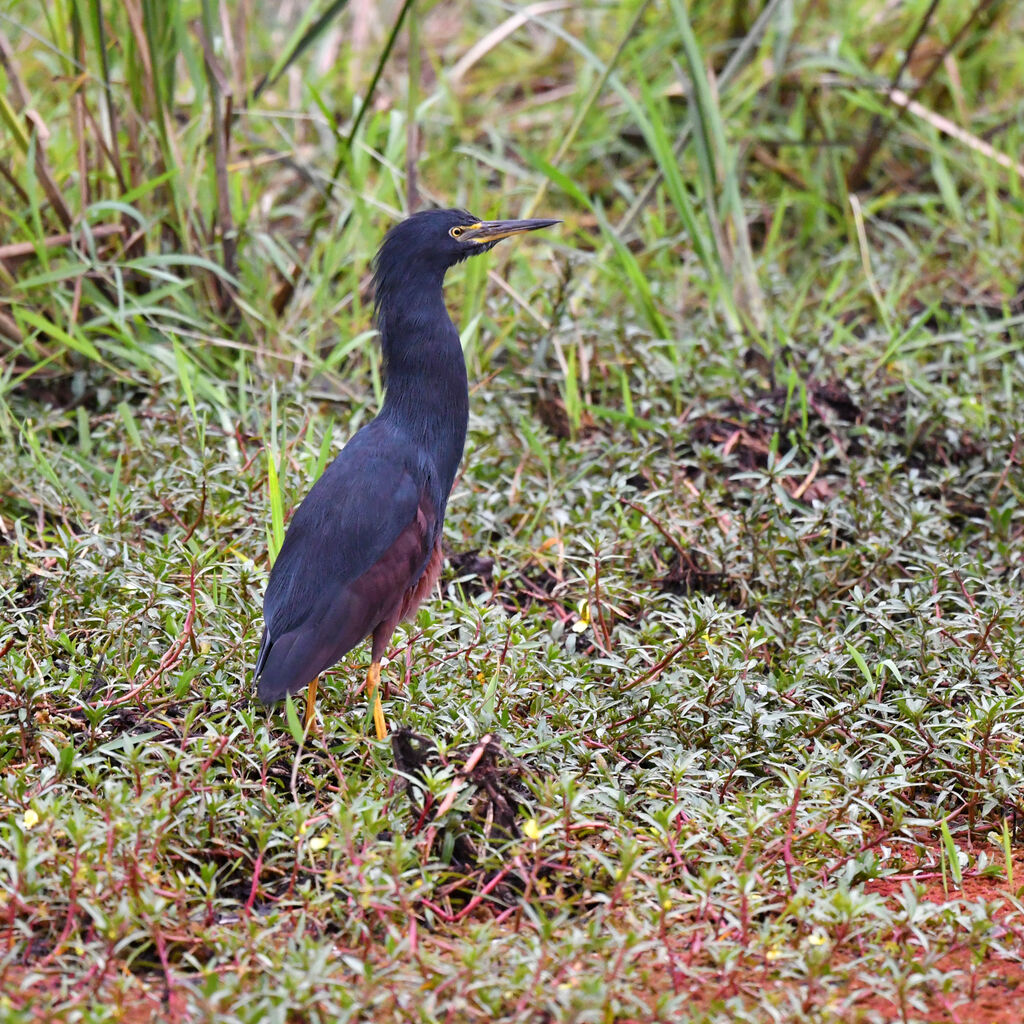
359 540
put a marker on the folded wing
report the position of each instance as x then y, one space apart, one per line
358 542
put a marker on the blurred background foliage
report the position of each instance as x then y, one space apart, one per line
217 175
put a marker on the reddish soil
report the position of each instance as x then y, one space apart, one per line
985 990
977 987
135 1001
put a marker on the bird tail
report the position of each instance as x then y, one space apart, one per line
287 663
272 684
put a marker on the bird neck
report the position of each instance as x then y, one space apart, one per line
425 374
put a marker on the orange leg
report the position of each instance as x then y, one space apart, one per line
310 703
373 693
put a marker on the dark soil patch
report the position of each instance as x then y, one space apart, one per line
471 841
473 571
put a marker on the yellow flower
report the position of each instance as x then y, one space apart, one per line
30 819
530 829
581 624
317 843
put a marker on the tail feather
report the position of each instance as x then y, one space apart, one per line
279 670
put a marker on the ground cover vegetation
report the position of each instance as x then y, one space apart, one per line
734 574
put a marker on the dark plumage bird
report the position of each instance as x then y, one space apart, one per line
364 548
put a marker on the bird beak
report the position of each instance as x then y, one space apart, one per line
495 230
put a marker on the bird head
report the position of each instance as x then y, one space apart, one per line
468 235
438 239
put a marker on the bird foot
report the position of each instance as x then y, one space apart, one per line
373 694
310 704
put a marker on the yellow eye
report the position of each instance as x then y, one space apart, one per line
456 231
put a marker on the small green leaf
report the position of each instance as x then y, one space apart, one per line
292 717
952 853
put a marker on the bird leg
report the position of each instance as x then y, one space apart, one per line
373 693
310 703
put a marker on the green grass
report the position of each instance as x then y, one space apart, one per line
735 555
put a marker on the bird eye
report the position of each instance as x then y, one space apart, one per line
456 231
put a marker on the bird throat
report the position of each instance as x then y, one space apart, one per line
425 373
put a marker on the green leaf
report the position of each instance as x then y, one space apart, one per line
292 717
276 538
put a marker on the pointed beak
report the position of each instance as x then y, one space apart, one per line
494 230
